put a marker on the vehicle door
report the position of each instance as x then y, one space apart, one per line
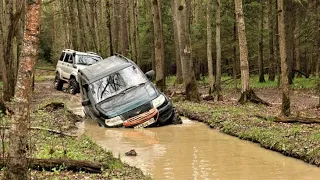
69 66
64 65
60 63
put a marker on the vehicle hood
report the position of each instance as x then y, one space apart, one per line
132 99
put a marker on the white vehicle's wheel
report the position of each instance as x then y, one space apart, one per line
58 83
73 86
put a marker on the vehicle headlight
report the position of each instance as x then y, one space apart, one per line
158 101
114 121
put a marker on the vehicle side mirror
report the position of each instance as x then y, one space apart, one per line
150 74
86 102
74 66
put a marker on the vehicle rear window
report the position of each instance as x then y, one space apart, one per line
62 56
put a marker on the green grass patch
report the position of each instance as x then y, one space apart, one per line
298 83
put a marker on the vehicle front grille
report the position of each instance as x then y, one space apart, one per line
141 109
141 118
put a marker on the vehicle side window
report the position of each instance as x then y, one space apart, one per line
70 59
66 58
62 56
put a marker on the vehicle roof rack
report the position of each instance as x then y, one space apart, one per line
69 50
122 56
90 52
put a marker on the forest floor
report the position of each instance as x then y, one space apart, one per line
256 123
50 110
249 122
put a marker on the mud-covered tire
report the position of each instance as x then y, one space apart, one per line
176 118
73 86
58 83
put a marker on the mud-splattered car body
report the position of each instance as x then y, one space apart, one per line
116 93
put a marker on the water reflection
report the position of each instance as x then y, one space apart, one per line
193 151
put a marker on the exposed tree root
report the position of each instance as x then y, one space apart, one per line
250 96
44 129
67 164
4 109
304 120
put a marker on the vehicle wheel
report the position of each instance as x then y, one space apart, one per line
176 118
58 83
73 86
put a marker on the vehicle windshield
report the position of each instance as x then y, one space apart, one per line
87 59
116 83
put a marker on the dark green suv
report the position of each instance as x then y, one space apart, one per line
116 93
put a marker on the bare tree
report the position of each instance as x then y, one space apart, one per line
11 12
260 59
124 35
235 59
218 46
189 80
17 154
272 61
158 44
209 47
285 108
109 29
247 94
136 31
176 43
83 35
116 26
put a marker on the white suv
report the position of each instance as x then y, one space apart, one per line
68 65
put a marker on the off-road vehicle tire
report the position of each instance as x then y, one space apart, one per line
58 83
73 86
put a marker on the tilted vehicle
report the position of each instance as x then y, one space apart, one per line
68 65
116 93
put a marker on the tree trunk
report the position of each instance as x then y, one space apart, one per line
189 79
247 94
277 50
289 25
63 5
260 59
285 108
9 34
68 164
209 47
90 23
235 60
137 35
83 35
108 17
218 46
159 51
73 24
244 65
124 36
2 67
17 167
272 61
116 20
297 44
318 42
176 42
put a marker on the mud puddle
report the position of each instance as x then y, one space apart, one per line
194 151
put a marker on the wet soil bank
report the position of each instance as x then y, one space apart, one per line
254 123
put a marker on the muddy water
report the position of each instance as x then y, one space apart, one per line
194 151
